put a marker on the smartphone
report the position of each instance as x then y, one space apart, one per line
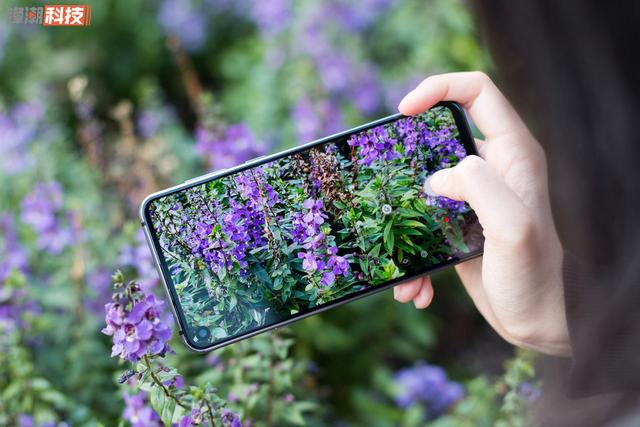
281 237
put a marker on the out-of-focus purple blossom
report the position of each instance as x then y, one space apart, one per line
138 412
99 281
230 418
356 16
427 385
12 254
529 392
316 119
19 126
182 19
364 91
152 120
136 325
395 90
25 420
139 257
236 145
272 16
41 209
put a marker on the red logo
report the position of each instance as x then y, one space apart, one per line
67 15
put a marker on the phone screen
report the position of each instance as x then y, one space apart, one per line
265 244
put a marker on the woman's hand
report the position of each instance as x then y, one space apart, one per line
517 284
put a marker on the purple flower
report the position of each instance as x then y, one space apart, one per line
180 18
137 328
309 262
152 120
138 413
236 145
316 119
529 392
41 209
19 127
230 418
193 419
272 16
427 385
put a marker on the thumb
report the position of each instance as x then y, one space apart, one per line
500 212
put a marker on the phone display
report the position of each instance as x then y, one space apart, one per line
263 244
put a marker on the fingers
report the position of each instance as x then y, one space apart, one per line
419 290
425 295
487 106
500 212
407 291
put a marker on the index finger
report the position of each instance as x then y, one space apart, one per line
487 106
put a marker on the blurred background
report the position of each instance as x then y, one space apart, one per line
92 119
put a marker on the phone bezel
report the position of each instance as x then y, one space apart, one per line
467 140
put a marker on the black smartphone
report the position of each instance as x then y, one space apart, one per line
281 237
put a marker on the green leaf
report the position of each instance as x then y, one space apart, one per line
339 204
412 223
164 406
375 251
388 238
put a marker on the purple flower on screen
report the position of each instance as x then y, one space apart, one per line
429 386
309 262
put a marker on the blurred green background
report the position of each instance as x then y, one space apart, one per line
113 111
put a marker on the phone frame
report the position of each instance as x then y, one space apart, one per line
467 140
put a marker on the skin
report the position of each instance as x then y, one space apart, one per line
517 284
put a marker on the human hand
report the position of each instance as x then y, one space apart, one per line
517 284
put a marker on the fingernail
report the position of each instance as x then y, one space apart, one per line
427 187
406 97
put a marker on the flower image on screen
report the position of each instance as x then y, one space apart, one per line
255 247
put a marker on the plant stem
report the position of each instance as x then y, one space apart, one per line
157 381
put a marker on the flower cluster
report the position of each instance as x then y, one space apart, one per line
321 254
427 385
375 144
134 320
41 209
236 145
